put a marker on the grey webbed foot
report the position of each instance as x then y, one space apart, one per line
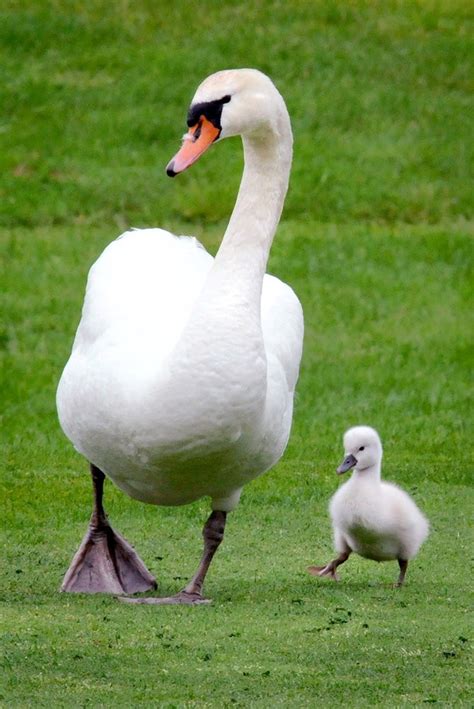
105 562
213 534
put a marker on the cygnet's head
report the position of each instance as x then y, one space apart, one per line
228 103
362 449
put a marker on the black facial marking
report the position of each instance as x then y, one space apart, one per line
212 110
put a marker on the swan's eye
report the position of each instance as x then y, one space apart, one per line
211 110
361 448
197 132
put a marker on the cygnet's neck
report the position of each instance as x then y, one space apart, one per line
370 474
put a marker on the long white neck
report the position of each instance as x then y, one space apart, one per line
242 258
223 337
228 308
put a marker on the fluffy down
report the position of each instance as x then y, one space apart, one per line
378 522
375 519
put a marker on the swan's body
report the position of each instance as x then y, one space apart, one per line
375 519
167 418
182 375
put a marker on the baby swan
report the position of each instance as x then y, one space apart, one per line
375 519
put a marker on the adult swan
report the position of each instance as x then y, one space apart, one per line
181 379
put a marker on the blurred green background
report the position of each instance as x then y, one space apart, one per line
376 239
95 97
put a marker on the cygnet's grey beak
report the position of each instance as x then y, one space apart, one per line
348 463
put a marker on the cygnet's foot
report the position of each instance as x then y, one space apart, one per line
403 564
327 570
183 598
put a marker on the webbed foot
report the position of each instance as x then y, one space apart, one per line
327 570
106 563
191 595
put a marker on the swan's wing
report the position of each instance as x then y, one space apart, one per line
283 326
142 286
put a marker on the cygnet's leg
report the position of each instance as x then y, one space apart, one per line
105 561
403 564
213 534
330 569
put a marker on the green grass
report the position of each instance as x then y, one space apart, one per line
95 96
376 239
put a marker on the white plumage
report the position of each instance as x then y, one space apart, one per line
377 520
181 380
167 428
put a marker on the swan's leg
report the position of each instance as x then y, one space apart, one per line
403 564
213 534
330 569
105 561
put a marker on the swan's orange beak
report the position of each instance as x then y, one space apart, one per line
196 142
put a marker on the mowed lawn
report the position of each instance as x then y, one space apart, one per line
376 239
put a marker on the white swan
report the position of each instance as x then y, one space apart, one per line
181 379
375 519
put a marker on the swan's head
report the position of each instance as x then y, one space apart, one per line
362 449
232 102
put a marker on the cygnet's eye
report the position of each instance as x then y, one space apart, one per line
361 448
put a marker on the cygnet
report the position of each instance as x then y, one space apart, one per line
374 519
